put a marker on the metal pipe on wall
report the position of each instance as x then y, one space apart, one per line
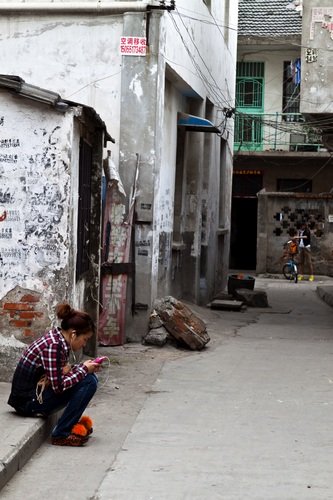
96 7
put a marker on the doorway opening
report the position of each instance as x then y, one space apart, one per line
243 244
243 241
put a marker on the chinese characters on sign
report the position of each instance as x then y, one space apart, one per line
8 143
133 46
311 55
324 16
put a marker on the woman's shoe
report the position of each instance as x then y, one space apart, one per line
83 428
71 440
80 430
87 422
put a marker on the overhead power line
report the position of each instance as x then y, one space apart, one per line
208 79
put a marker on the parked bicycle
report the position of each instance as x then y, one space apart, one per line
290 270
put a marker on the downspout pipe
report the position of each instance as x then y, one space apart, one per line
97 7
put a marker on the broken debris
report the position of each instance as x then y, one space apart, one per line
180 323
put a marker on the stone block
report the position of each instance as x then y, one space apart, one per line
156 336
252 298
155 321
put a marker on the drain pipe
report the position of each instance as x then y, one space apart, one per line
97 7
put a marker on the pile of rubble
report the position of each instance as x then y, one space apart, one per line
172 321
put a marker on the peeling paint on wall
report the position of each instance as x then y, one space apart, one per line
153 69
116 246
136 87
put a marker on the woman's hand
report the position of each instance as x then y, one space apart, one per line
92 366
67 368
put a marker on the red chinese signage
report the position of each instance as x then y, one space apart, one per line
247 171
133 46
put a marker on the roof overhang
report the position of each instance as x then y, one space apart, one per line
17 85
193 123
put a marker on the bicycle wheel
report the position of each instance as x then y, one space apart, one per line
288 271
295 272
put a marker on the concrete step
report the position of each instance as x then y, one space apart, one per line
325 292
21 437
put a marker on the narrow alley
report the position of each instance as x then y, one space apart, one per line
249 417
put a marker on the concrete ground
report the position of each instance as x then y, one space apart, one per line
250 417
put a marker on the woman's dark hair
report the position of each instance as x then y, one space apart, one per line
80 321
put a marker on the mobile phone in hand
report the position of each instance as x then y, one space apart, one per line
100 360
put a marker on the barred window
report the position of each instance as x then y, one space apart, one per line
291 92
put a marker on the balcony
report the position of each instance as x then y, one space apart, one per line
285 132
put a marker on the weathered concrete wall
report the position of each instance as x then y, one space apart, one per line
317 57
278 213
196 269
35 174
35 235
174 102
39 193
140 135
155 90
81 60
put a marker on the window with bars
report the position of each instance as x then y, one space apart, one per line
249 85
250 69
291 92
249 102
248 129
249 93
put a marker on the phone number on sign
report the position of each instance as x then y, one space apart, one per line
133 49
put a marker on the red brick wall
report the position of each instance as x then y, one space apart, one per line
23 315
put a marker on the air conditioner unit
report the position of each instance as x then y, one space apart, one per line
295 140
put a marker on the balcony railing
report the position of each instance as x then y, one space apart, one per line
275 132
